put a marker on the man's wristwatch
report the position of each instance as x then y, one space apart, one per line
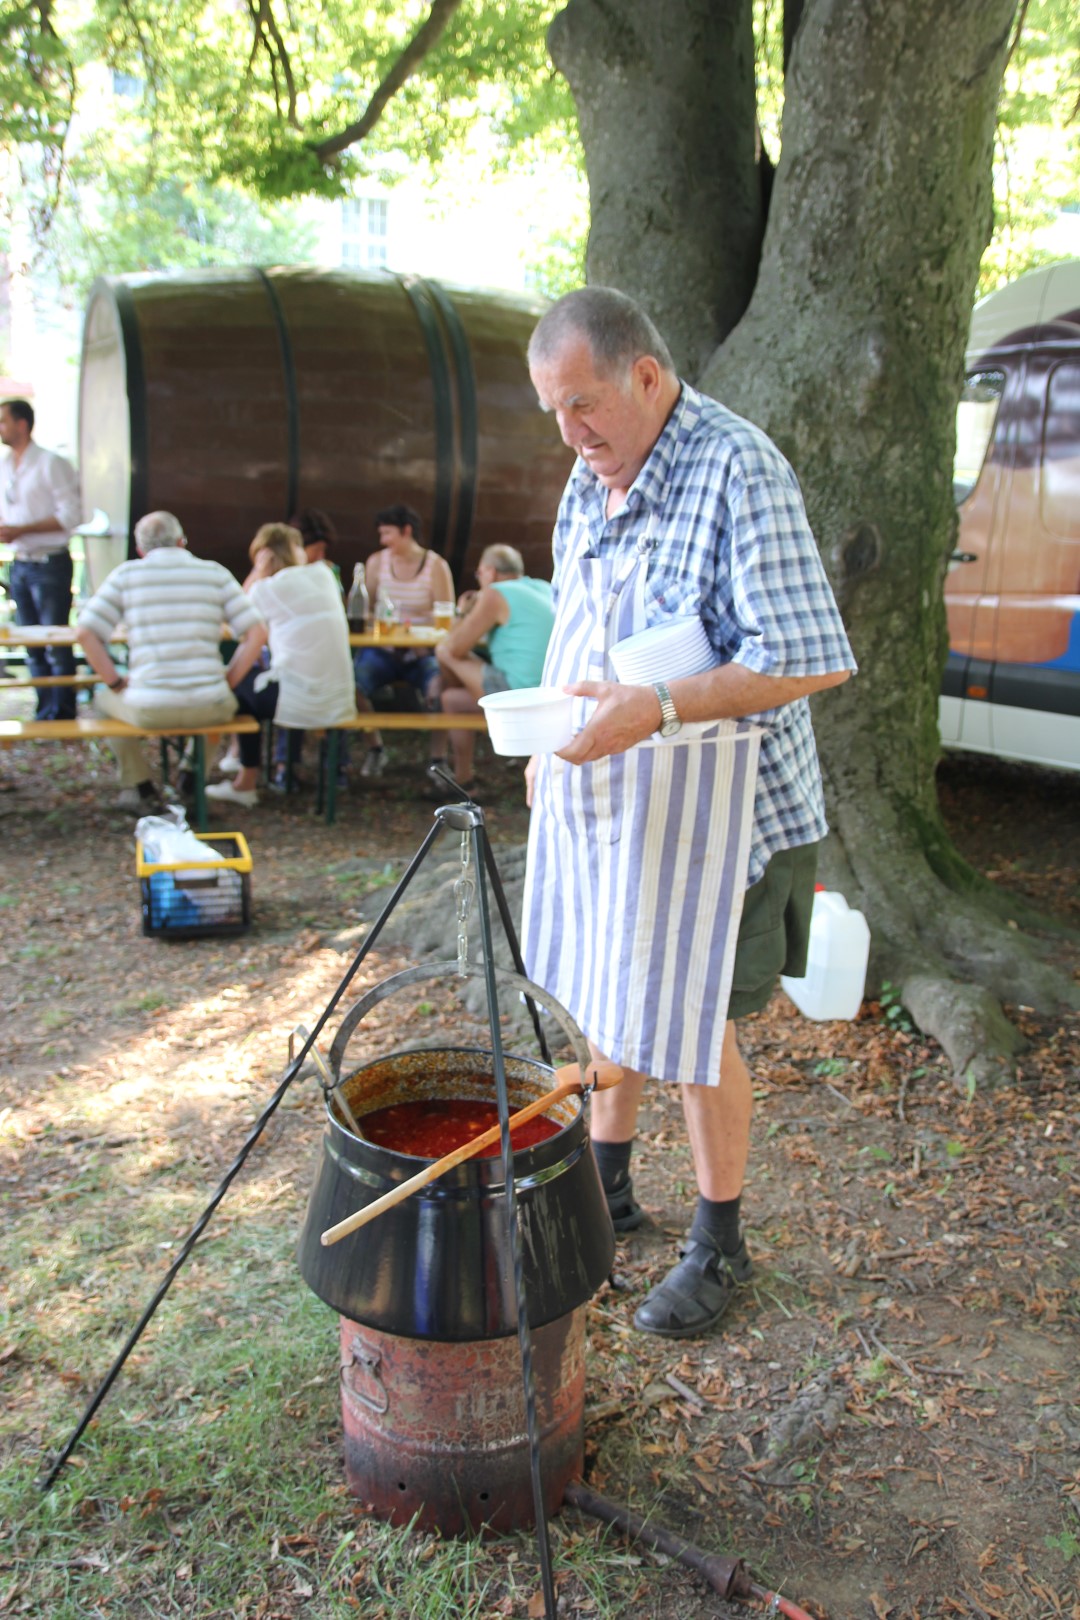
669 715
114 686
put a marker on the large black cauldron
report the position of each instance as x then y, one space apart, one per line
438 1265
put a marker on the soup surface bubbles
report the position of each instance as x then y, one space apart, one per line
430 1128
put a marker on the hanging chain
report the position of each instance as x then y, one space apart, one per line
464 889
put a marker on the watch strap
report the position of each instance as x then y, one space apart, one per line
669 714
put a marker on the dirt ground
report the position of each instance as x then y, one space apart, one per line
889 1420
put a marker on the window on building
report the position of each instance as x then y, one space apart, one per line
126 86
363 232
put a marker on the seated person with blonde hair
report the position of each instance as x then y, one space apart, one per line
513 615
310 678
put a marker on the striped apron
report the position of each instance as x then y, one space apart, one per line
637 863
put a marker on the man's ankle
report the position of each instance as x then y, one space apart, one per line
720 1218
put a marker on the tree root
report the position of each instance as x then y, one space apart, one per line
968 1022
950 944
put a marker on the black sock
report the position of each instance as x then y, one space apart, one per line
613 1162
720 1220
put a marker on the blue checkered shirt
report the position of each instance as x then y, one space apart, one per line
734 546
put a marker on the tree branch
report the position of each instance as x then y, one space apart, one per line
402 70
1021 18
268 35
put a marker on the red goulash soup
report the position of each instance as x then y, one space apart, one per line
430 1129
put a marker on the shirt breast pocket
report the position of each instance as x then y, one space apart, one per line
670 595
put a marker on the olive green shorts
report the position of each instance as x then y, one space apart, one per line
775 929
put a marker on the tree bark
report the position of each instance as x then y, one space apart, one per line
850 355
665 99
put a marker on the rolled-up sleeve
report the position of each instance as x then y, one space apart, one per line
67 499
786 615
239 612
103 612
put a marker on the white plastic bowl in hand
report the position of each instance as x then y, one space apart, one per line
529 720
663 652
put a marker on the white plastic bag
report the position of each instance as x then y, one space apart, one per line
167 839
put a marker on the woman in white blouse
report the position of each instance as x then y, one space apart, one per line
310 679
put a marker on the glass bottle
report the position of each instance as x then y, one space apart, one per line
358 606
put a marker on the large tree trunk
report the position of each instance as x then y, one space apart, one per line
850 355
665 99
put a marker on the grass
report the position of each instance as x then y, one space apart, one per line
211 1483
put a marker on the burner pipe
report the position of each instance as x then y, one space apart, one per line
726 1576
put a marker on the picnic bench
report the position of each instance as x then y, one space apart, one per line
79 682
94 728
380 720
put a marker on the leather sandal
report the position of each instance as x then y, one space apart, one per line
697 1291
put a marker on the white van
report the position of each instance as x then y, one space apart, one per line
1012 682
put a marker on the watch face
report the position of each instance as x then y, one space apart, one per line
670 727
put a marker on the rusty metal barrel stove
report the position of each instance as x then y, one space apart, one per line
233 397
432 1400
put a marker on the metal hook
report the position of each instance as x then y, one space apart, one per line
329 1084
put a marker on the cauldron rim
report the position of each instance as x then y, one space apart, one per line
410 1162
438 1265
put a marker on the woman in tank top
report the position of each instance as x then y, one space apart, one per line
413 578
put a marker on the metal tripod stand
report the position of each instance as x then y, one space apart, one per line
467 819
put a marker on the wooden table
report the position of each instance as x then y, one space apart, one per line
38 635
67 635
400 639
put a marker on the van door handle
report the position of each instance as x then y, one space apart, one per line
963 556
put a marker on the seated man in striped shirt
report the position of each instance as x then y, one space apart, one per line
173 606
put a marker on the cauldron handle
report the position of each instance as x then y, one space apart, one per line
329 1082
446 970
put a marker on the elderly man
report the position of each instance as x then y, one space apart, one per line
647 829
513 615
173 605
39 507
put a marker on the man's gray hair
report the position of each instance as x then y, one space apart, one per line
504 560
617 330
158 529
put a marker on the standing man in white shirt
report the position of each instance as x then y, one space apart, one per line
39 507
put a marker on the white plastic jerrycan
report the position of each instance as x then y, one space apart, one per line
836 961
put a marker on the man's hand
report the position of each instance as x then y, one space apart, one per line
624 716
530 778
9 532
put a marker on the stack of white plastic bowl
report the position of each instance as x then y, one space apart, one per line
663 652
529 720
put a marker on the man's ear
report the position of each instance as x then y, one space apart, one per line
648 375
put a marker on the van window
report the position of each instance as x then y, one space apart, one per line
1059 496
975 417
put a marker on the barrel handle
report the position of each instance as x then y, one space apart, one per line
369 1362
447 970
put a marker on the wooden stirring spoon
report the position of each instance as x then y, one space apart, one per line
598 1077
